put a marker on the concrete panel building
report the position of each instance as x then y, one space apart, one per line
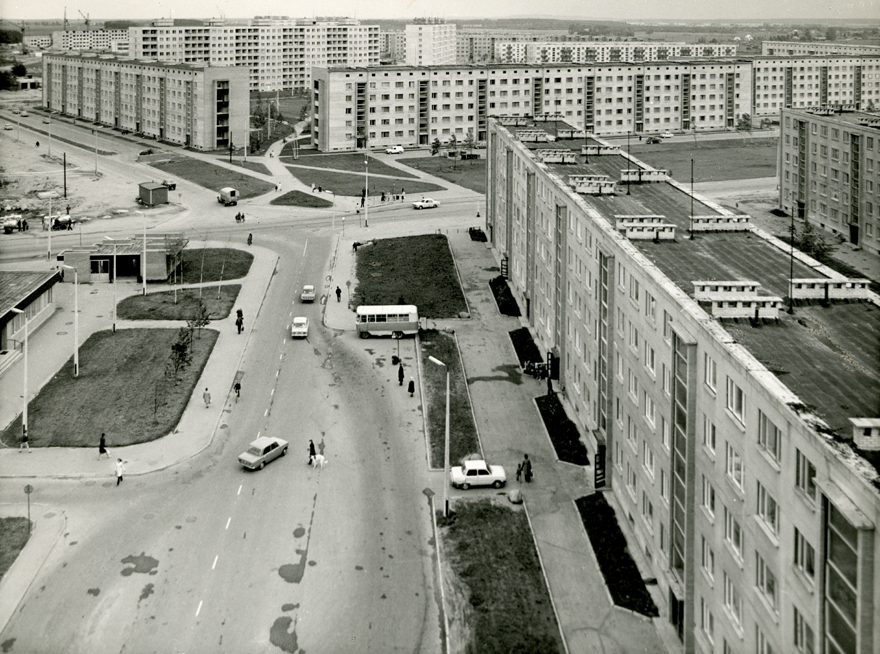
812 48
31 293
430 42
197 106
98 39
738 439
393 46
587 52
829 163
476 45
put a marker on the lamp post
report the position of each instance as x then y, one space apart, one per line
50 137
144 256
627 162
446 446
49 243
107 238
791 269
367 193
75 319
24 430
95 131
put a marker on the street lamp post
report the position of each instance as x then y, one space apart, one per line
50 138
446 445
24 429
144 256
114 282
627 162
95 131
49 243
367 193
75 319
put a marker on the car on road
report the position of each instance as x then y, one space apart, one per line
262 451
7 126
299 328
24 114
653 139
170 184
46 121
666 135
477 473
16 111
425 203
394 149
308 294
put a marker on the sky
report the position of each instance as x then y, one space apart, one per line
628 10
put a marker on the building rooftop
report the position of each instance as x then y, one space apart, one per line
16 286
839 114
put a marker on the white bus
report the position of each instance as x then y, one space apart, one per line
385 320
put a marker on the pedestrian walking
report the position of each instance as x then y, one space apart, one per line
237 389
338 294
311 451
527 468
24 441
250 238
412 387
120 470
102 447
518 473
403 194
400 374
206 396
239 322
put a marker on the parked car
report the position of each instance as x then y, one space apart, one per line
262 451
10 224
46 120
666 135
477 473
228 196
653 139
394 149
300 327
171 184
426 203
7 126
16 111
24 114
308 293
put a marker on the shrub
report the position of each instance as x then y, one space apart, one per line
525 347
563 432
503 297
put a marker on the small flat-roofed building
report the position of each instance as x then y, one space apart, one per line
121 258
31 292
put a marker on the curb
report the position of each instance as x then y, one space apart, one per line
440 576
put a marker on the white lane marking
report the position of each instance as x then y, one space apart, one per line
265 413
238 493
230 517
199 610
215 562
305 247
277 372
273 392
258 433
281 357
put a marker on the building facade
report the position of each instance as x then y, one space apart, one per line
586 52
27 300
476 45
750 487
40 42
393 46
403 105
278 51
198 106
812 48
99 39
430 42
829 172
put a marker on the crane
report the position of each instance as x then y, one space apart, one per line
85 17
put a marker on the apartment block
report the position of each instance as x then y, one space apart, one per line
39 42
279 51
740 442
475 45
829 171
393 46
195 105
413 105
812 48
430 42
586 52
100 39
810 81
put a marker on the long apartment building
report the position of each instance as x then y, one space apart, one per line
810 48
402 105
279 52
829 172
585 52
741 442
195 105
476 45
97 39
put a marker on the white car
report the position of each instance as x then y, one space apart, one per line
7 126
24 114
308 293
666 135
394 149
299 328
477 473
425 203
262 451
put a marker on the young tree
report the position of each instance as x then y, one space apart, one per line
744 123
18 69
811 242
199 319
435 147
469 141
181 353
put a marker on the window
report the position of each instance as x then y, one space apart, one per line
765 580
650 306
633 386
804 555
666 378
769 437
708 434
803 634
841 581
707 558
634 289
664 485
633 337
768 509
762 645
650 359
664 432
710 373
736 401
707 621
733 533
805 476
667 325
648 458
708 497
734 466
647 511
732 600
649 409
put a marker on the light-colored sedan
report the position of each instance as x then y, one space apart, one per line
477 473
425 203
299 328
262 451
7 126
667 135
308 294
394 149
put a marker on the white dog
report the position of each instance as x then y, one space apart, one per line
319 461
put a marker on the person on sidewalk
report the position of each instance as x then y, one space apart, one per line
412 387
527 468
237 389
206 396
102 447
338 294
312 452
120 470
239 323
518 473
250 238
400 374
24 442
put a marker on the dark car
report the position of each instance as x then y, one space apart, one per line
653 139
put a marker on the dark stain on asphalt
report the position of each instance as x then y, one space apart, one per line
146 592
299 532
281 637
293 573
288 607
358 567
94 591
142 564
511 373
7 644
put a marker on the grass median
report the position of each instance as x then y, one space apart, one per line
352 184
213 177
469 174
300 199
213 265
122 390
347 162
182 305
14 535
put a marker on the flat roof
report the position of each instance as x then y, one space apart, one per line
15 286
829 112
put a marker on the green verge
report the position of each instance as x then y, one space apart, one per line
161 306
121 391
213 177
463 438
348 162
351 184
300 199
470 174
213 265
14 535
492 553
415 270
249 165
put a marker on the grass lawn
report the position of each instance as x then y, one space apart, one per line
250 165
469 174
353 184
300 199
345 162
490 549
214 177
415 270
161 306
713 160
462 431
214 264
121 391
14 534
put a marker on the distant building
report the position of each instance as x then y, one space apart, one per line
198 106
40 42
829 171
393 46
430 42
811 48
87 39
476 45
583 52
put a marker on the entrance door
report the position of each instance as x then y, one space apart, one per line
676 614
854 233
100 270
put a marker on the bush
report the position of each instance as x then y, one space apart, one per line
621 575
563 432
503 297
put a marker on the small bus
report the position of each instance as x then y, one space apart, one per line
385 320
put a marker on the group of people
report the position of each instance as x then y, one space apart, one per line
411 387
239 217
